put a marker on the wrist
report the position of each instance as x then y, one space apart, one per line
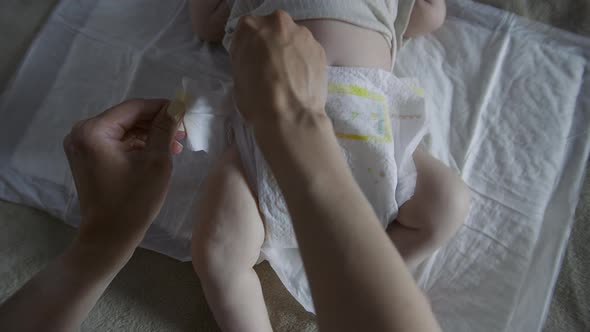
123 232
99 250
90 263
302 151
283 128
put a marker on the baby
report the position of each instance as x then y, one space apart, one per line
420 201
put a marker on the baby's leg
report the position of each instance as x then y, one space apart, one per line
209 18
433 215
226 245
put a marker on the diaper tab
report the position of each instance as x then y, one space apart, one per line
209 107
177 108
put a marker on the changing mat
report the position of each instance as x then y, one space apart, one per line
509 109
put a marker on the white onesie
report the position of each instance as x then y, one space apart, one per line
388 17
379 120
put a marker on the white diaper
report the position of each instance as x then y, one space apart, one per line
379 120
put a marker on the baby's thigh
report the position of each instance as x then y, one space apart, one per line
440 202
229 232
349 45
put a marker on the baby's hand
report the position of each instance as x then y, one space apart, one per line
427 16
279 69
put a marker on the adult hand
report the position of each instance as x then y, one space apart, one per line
277 74
121 164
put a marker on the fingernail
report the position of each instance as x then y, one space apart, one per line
177 147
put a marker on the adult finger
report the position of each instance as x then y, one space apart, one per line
246 26
130 112
281 20
165 126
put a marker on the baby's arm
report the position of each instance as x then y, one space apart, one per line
427 16
209 18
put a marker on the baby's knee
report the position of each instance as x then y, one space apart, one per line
226 247
229 233
452 206
441 201
458 201
214 259
444 207
208 264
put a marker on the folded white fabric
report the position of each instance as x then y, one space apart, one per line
209 108
508 107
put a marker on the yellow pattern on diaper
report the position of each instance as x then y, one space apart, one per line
375 120
355 90
417 90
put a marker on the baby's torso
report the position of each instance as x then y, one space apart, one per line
356 33
349 45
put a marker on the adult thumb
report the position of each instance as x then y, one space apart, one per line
164 127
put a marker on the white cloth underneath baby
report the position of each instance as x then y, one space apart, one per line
379 120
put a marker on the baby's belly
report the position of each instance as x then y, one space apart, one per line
349 45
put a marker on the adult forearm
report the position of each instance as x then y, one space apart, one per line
122 171
358 280
60 297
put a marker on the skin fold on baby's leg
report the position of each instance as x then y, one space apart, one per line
226 245
433 215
